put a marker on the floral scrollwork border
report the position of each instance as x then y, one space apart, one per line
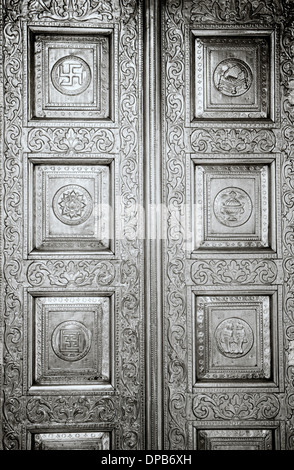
71 140
12 232
71 273
234 272
70 10
176 353
236 406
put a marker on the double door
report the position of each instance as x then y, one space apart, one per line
147 225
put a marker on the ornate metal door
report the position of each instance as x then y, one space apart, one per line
147 200
228 179
72 301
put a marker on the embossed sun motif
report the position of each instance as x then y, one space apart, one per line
72 204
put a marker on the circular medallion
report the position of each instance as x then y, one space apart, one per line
71 75
232 77
232 207
234 337
71 341
72 204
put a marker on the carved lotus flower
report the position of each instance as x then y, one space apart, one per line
72 204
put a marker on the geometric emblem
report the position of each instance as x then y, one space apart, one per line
232 207
234 337
72 204
71 75
232 77
71 341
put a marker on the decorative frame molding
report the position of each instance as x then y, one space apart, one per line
125 412
232 119
42 124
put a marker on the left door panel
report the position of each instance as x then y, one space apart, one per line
73 317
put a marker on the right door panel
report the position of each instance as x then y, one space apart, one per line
229 245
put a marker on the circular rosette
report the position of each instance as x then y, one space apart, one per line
72 204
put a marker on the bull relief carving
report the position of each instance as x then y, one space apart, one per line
12 214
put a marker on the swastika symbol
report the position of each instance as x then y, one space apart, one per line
70 341
71 75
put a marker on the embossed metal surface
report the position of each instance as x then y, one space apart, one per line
183 340
75 365
227 159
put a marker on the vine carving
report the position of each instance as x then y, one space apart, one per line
236 406
234 272
71 10
70 409
71 273
68 141
232 140
176 373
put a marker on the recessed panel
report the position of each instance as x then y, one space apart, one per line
71 77
71 207
233 338
235 439
71 441
232 78
232 206
72 341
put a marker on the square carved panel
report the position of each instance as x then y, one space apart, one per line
70 77
72 341
233 206
233 76
72 441
235 439
233 339
71 207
